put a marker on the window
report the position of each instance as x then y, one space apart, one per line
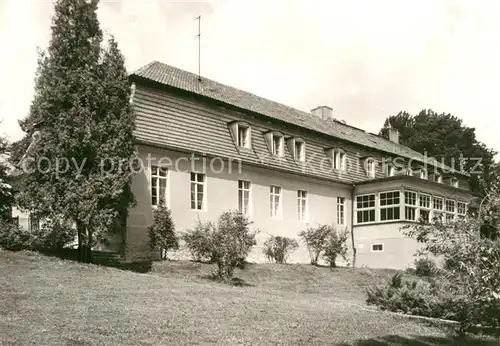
454 182
461 208
243 136
370 168
340 210
300 153
377 247
389 206
410 205
438 206
34 222
425 207
244 196
450 210
302 205
438 178
158 184
424 174
365 206
391 171
197 191
277 145
339 160
275 199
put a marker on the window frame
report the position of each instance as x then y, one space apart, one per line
411 207
366 209
391 206
464 208
301 155
154 173
449 213
339 159
341 208
281 151
241 191
247 140
377 244
373 172
196 192
303 210
427 209
276 213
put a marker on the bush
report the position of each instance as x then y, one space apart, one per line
52 236
325 240
335 246
162 231
197 241
13 237
278 248
315 239
425 267
226 243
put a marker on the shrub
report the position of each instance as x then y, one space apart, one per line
13 237
197 241
231 242
278 248
226 243
315 239
425 267
52 236
335 246
162 231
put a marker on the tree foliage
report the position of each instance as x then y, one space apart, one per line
162 231
472 264
6 194
445 137
80 169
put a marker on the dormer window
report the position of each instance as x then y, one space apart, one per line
454 182
423 174
299 151
391 171
243 136
339 160
370 168
438 178
277 145
241 133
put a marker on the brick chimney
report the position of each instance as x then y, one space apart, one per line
324 112
394 135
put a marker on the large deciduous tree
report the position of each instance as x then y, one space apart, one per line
445 137
5 187
80 169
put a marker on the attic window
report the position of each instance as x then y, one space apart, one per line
299 150
277 144
454 182
424 174
241 133
243 136
370 167
438 178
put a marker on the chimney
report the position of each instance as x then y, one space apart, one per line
394 135
324 112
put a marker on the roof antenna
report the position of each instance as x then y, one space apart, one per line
199 47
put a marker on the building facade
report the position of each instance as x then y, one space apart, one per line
208 148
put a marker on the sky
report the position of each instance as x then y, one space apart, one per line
365 59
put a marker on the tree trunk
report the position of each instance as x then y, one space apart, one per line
89 247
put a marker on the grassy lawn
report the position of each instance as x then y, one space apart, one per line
47 301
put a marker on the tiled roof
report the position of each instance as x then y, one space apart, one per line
187 81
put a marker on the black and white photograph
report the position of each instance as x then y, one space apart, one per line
249 172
